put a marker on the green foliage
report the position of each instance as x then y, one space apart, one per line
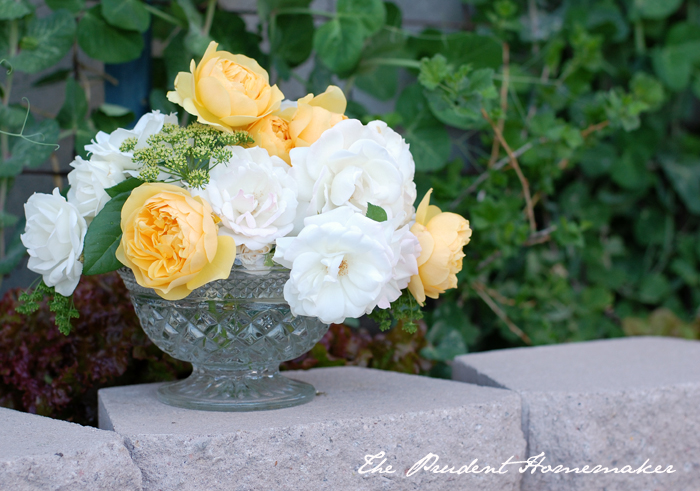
63 308
130 15
45 42
14 9
187 154
376 213
103 236
403 311
107 43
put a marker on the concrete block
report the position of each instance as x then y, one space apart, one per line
359 412
611 403
39 453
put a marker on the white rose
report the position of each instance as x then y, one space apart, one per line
254 197
406 250
88 181
54 239
352 165
106 146
340 262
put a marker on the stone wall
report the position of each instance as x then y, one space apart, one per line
616 413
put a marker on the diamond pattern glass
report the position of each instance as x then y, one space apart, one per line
235 332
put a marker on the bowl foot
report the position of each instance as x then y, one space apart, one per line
235 390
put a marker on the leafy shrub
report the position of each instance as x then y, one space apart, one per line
44 372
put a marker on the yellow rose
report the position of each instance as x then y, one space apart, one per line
442 235
272 134
170 241
314 115
299 126
225 90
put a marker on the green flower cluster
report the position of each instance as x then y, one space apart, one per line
185 154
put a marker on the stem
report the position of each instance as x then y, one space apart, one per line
401 62
481 291
514 163
211 8
485 175
159 13
504 103
639 44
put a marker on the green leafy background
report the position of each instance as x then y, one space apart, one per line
586 226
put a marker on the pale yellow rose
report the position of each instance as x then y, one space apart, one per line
225 90
272 134
314 115
441 235
170 242
299 126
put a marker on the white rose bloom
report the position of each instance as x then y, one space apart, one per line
88 181
54 239
406 250
106 145
352 165
254 197
340 263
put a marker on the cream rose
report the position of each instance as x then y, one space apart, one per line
170 241
54 240
225 90
441 235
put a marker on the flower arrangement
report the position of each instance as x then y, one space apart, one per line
326 196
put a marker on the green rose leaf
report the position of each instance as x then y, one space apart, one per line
15 9
104 42
126 14
339 42
103 236
376 213
370 13
73 6
125 186
53 37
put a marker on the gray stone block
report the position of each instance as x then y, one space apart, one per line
323 444
39 453
611 403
